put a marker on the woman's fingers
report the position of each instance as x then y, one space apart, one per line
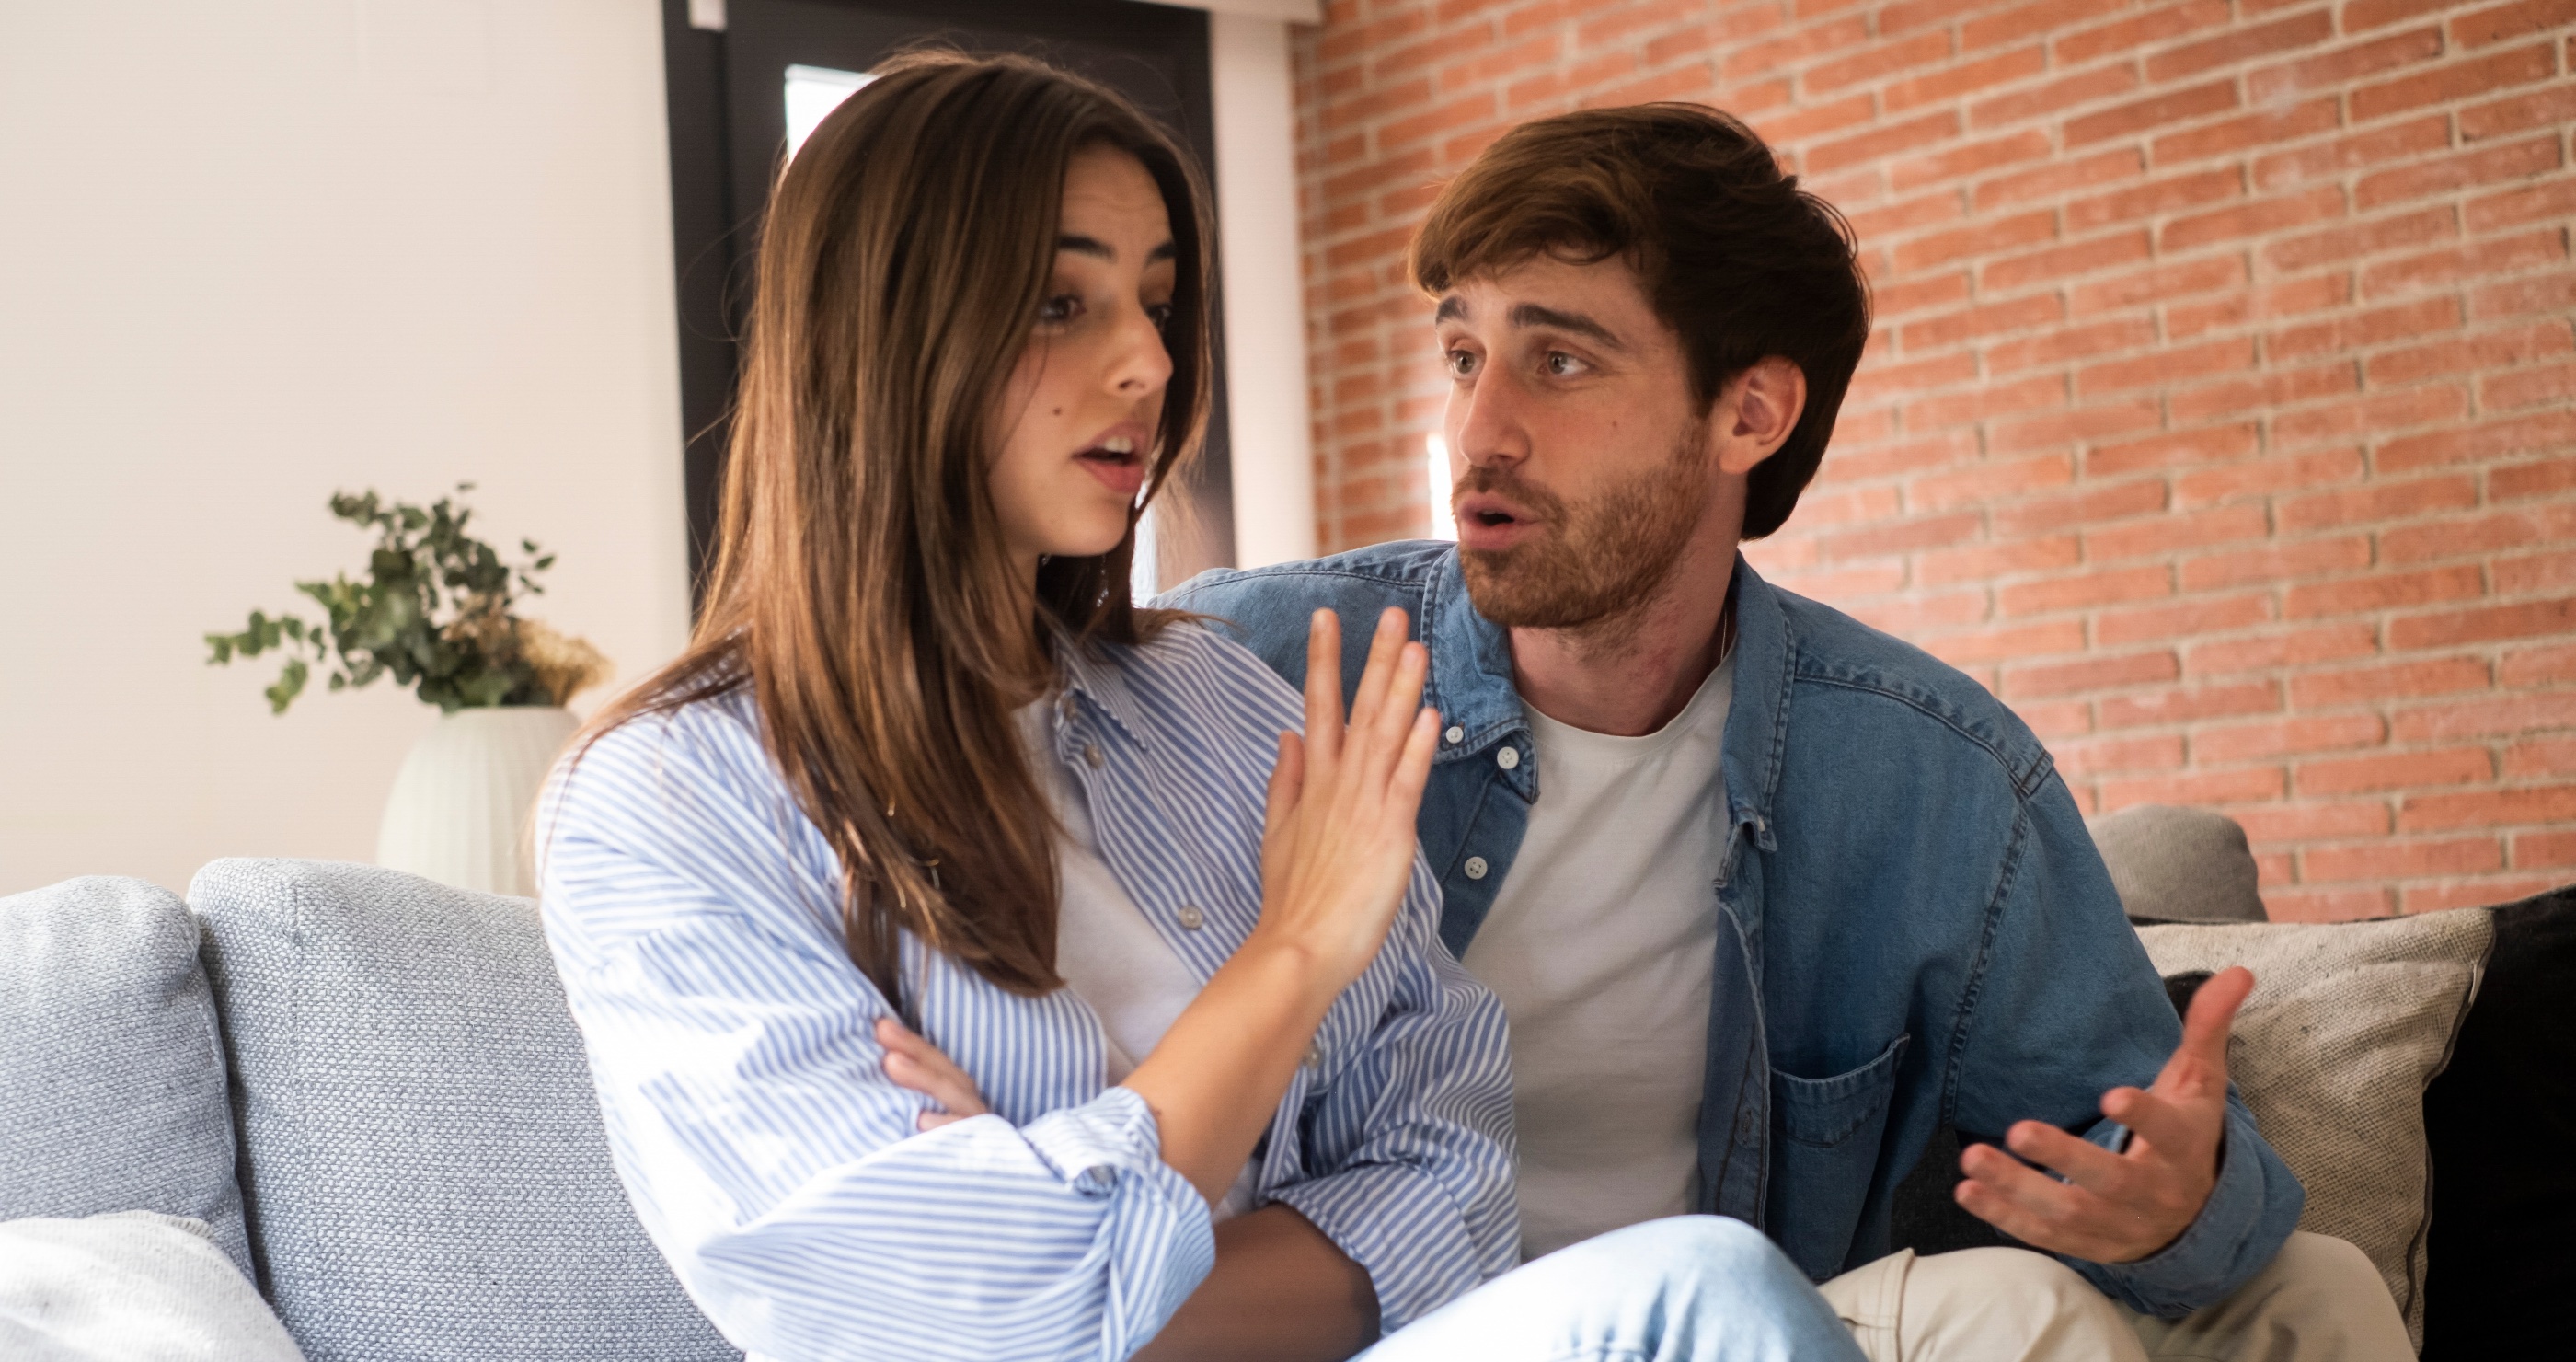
1403 702
1323 690
914 1063
1279 810
1287 781
1413 766
1377 677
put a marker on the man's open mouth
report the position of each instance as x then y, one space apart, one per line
1490 511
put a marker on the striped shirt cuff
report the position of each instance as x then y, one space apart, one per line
1089 1146
1402 1227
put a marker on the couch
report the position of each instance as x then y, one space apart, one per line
366 1084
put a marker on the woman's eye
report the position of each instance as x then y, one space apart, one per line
1161 315
1063 307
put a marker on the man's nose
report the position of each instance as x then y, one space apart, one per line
1485 430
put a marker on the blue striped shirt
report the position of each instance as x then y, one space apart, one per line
693 911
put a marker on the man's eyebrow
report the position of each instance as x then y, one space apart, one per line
1452 309
1092 245
1531 314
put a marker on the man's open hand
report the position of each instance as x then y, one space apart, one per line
2117 1208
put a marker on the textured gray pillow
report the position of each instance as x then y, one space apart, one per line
427 1173
136 1286
111 1073
2348 1023
2179 865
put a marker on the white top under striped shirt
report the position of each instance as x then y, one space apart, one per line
1106 949
694 915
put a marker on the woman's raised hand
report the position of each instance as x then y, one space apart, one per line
1338 839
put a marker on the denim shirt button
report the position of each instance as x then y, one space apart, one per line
1191 918
1455 734
1476 867
1508 758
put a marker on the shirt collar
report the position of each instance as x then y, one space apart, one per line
1471 665
1095 670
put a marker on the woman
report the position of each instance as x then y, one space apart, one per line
926 777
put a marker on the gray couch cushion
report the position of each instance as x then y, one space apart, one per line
427 1173
2179 865
111 1073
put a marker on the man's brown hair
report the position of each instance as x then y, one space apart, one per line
1734 256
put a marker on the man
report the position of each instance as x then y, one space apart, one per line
1771 897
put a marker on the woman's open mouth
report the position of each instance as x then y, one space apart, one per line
1117 462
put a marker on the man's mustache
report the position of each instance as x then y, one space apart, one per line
1541 503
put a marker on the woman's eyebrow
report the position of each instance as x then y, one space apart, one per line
1094 246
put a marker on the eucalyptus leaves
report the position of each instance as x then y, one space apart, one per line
433 612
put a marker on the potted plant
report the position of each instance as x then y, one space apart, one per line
437 612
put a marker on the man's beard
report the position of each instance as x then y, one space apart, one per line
1598 559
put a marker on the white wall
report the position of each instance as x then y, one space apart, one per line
255 251
1265 294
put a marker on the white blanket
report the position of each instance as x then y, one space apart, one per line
130 1287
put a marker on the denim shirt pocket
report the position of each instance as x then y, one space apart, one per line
1828 1132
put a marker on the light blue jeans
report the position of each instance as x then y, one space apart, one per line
1694 1288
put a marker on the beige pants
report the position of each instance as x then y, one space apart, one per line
2319 1299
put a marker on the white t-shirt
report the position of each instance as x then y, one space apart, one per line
1109 954
1600 945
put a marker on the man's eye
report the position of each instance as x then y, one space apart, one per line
1461 363
1559 364
1063 307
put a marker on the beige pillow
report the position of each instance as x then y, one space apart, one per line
2348 1023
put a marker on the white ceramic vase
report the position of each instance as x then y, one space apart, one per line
463 803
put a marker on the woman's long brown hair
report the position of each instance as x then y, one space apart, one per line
861 588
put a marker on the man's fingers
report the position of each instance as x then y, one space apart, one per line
2086 1164
2019 1200
2204 1031
2169 1128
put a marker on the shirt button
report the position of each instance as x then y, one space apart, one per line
1508 758
1455 734
1476 867
1191 918
1091 755
1314 1058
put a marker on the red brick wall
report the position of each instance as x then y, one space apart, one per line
2221 414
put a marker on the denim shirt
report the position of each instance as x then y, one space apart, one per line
1916 928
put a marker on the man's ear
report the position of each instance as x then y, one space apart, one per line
1752 418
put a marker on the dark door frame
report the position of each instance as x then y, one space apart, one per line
715 233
